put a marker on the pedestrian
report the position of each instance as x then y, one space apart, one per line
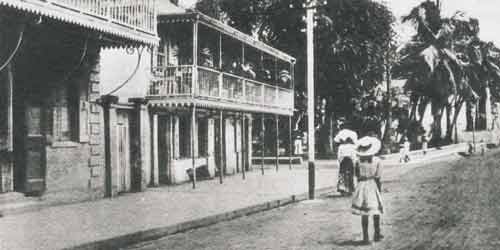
347 157
405 150
424 144
367 200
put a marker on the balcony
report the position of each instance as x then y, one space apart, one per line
125 18
219 90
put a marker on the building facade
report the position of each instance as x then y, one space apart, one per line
209 90
52 122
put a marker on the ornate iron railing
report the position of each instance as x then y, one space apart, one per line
137 14
211 84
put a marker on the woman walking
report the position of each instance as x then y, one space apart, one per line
367 200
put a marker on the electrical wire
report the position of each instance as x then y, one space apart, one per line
14 52
139 56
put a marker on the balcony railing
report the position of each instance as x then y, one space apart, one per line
177 81
137 14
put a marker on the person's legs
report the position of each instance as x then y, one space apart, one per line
364 225
376 224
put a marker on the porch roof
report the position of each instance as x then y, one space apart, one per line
77 17
170 13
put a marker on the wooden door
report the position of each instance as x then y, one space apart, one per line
34 149
123 160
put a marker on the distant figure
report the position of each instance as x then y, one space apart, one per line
471 148
424 144
483 149
405 151
297 146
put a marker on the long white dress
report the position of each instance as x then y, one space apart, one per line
366 199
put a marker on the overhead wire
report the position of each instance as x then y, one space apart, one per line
139 56
14 52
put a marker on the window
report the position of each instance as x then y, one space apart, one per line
65 114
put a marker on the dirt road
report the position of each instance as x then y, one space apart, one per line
444 205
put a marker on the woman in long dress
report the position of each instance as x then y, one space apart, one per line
347 158
366 200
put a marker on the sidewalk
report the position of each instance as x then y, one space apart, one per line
76 224
160 211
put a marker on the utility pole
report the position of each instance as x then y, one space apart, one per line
310 95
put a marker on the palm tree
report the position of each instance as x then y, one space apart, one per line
434 70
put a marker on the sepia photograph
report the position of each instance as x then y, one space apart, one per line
249 124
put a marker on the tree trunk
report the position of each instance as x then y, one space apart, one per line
421 109
387 133
449 131
469 116
437 112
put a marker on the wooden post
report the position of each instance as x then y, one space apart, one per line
263 134
243 148
290 142
155 172
277 142
194 80
310 100
221 145
193 127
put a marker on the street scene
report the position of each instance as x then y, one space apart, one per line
429 206
263 124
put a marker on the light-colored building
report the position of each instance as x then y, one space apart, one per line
194 101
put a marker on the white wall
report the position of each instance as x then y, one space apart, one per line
117 66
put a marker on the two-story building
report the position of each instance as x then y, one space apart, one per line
209 89
51 123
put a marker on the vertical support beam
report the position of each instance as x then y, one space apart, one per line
155 181
290 142
194 81
171 148
220 77
310 99
277 120
221 147
10 109
243 147
263 146
236 146
193 159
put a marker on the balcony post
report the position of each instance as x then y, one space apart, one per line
221 146
277 120
193 128
290 143
220 66
194 78
263 134
243 146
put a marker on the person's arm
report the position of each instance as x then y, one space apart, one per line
378 176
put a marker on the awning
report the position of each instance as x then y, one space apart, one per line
87 20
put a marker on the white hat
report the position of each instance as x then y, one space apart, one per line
344 134
368 146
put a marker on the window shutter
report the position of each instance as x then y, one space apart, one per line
83 122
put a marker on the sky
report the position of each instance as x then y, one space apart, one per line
487 11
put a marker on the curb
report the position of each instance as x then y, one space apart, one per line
156 233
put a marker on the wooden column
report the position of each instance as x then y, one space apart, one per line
243 148
290 143
277 142
193 159
221 146
263 134
155 172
